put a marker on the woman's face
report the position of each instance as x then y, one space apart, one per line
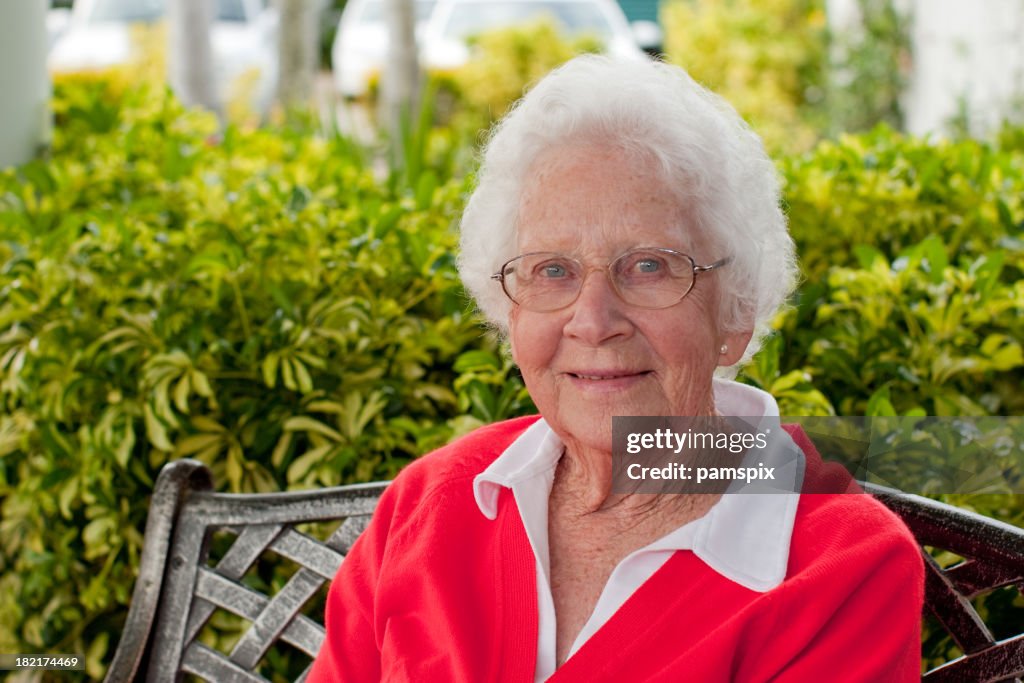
601 357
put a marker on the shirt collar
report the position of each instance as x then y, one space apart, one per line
744 537
535 452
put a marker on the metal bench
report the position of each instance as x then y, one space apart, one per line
178 590
993 553
180 586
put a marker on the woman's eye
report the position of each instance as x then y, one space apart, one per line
553 271
644 266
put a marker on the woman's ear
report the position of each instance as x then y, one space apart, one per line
734 345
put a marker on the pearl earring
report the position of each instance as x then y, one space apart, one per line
724 349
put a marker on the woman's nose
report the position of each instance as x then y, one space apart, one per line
598 313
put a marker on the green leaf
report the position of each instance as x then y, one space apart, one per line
181 392
308 424
326 407
476 360
123 452
288 373
1006 356
302 376
935 252
358 412
195 443
425 189
1005 217
269 368
233 469
879 404
201 384
68 495
95 655
207 424
869 257
311 360
299 199
95 535
155 431
301 466
788 382
281 449
986 270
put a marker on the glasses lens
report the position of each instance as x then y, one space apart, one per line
652 278
648 278
542 282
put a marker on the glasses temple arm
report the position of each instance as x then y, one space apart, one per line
711 266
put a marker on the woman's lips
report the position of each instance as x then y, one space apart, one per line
606 380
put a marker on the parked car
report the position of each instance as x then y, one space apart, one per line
442 27
57 19
243 36
361 43
444 44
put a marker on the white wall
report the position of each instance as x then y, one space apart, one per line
969 51
24 82
966 54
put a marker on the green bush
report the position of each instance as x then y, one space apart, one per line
913 265
263 301
891 191
507 61
258 300
786 72
913 298
931 338
767 57
504 62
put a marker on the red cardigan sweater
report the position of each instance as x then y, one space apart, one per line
434 591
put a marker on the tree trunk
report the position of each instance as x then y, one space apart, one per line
400 80
190 52
297 50
26 85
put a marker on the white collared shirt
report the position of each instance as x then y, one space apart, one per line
745 538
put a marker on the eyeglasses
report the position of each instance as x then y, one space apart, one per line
648 277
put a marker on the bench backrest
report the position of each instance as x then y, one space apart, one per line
993 557
180 588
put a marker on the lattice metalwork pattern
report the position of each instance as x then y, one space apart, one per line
265 529
272 618
993 555
235 571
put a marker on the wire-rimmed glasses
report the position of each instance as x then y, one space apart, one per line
646 277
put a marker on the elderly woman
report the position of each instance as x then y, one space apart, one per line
625 234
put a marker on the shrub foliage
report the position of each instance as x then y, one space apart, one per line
766 57
783 68
256 300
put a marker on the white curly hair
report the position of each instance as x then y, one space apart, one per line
697 142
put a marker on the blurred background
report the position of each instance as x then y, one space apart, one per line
799 70
227 232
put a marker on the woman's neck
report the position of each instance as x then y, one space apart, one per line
582 488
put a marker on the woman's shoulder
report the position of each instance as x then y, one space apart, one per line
835 513
851 514
459 461
852 533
